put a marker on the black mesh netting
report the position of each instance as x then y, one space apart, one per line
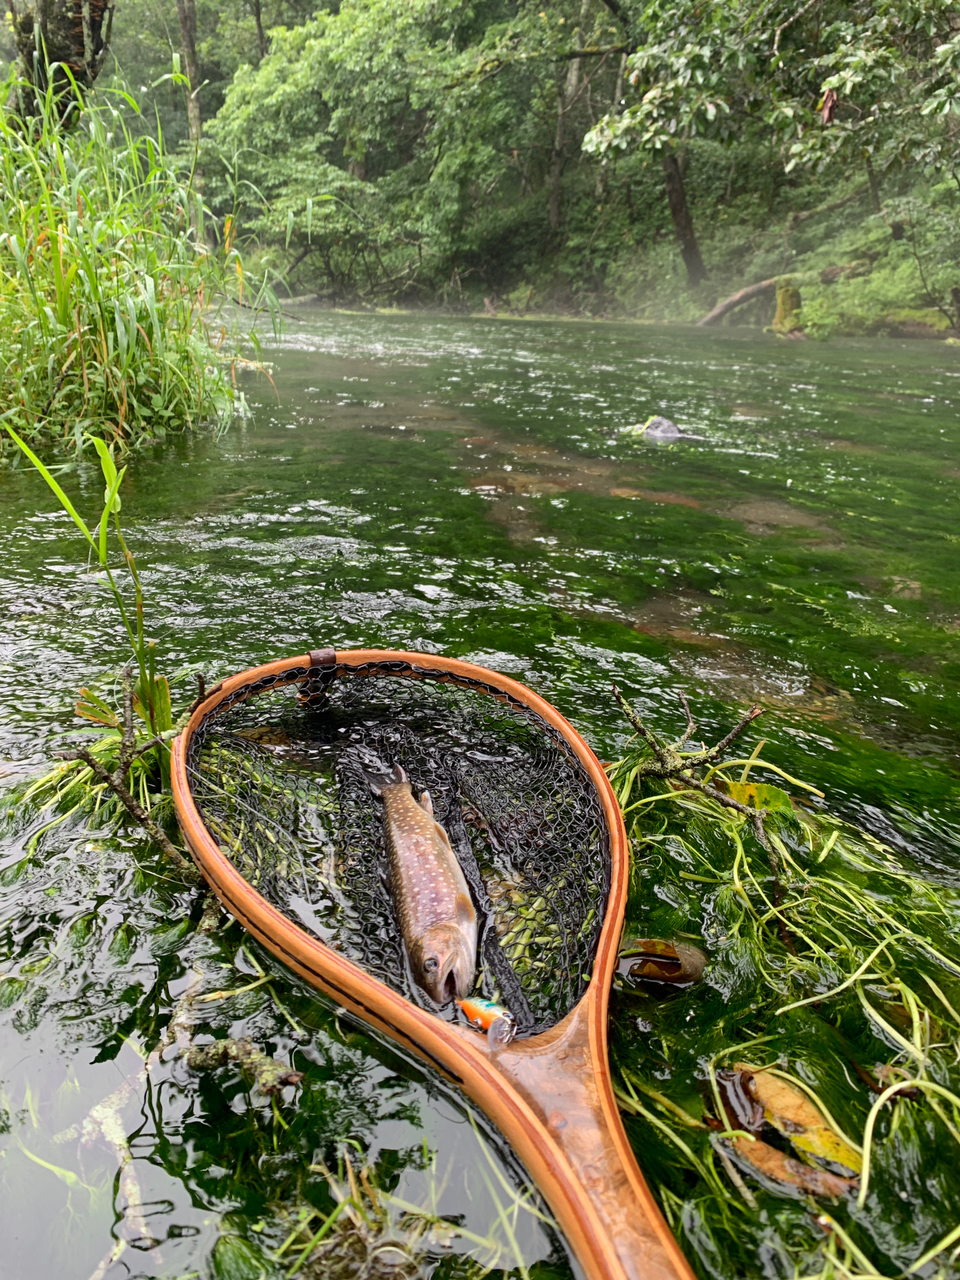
277 774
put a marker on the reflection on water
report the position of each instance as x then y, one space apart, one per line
457 486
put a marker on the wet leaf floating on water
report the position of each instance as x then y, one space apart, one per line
657 960
785 1170
792 1113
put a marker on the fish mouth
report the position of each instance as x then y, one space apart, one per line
448 982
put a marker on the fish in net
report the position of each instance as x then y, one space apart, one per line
271 787
280 781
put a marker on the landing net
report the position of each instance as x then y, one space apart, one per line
277 774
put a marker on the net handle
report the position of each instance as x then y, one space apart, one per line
586 1171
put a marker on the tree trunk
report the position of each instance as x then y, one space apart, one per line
682 222
187 13
71 33
566 98
261 35
874 185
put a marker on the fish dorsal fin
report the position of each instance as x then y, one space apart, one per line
426 802
466 914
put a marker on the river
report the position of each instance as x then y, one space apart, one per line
477 488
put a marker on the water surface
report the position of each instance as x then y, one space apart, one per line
473 488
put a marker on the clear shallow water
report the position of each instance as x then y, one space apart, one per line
464 487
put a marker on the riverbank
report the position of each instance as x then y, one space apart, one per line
917 323
858 271
862 265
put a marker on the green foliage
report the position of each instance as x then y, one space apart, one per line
829 962
106 288
433 127
424 153
139 731
429 153
883 78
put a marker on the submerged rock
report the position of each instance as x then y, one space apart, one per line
657 428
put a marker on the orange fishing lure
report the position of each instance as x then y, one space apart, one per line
494 1019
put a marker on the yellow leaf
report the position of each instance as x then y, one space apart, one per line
758 795
793 1114
781 1168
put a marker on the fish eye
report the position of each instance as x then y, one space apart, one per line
431 963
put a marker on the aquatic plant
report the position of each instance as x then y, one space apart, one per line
373 1233
833 968
125 768
111 302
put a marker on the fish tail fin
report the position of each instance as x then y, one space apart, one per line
378 782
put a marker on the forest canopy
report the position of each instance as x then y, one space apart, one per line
600 157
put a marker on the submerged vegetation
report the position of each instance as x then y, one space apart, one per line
112 320
326 1206
833 975
796 1106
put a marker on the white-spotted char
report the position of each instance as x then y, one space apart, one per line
437 916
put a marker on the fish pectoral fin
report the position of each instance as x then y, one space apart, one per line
426 802
444 838
465 910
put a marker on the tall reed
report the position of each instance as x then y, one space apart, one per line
111 319
131 741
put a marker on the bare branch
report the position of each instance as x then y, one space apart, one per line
137 811
735 732
650 738
691 728
789 22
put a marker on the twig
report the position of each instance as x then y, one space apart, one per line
789 22
670 765
116 781
201 693
691 726
116 784
715 752
931 296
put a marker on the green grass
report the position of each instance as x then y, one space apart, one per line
109 295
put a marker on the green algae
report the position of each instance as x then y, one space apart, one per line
510 522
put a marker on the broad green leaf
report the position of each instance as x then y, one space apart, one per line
758 795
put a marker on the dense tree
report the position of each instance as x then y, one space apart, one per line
441 133
829 85
865 84
229 34
451 150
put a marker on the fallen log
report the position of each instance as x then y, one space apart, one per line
738 299
827 275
